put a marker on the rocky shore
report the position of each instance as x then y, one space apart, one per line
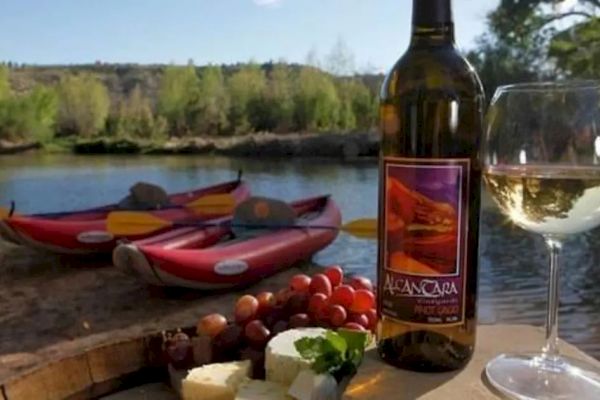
330 145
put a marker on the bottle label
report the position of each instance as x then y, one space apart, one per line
424 233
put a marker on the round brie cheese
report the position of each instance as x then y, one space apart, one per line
282 362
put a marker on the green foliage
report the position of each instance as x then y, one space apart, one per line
317 105
136 119
274 110
5 91
245 88
126 101
577 50
210 108
539 39
359 106
83 105
29 116
177 93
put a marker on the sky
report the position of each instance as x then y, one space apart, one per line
216 31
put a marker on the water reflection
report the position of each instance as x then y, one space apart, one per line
513 262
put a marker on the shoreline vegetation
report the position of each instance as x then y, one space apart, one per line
248 109
345 146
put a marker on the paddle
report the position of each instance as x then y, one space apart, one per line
218 204
131 223
4 213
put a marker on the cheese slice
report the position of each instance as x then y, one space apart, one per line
282 362
262 390
215 381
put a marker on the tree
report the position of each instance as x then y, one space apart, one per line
273 111
245 87
210 109
31 116
340 61
4 83
178 90
317 103
83 105
359 106
577 49
539 39
135 117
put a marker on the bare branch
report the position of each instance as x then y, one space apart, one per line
557 17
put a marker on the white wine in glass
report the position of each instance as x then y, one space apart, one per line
541 156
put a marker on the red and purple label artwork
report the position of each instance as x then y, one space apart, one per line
424 233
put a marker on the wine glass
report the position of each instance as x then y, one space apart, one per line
541 156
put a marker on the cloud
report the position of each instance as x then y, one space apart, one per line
268 3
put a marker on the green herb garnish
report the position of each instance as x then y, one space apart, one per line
337 353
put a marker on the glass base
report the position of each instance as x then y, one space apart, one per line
536 377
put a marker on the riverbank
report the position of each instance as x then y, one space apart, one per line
325 145
334 145
47 302
17 147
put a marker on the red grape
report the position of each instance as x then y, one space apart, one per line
363 301
300 283
360 282
299 321
335 273
372 317
354 326
257 333
360 319
266 302
320 284
337 315
179 350
316 303
298 303
211 325
257 357
343 295
277 313
228 340
280 326
246 308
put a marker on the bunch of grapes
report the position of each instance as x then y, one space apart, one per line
323 300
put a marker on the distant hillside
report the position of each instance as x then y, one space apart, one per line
121 79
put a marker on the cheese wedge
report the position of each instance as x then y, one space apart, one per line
215 381
262 390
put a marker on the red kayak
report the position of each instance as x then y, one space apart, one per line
212 258
84 232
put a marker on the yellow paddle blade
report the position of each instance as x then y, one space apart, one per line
220 204
365 228
133 223
4 213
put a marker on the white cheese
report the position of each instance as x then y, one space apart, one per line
262 390
310 386
215 381
282 362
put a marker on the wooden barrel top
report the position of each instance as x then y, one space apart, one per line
136 366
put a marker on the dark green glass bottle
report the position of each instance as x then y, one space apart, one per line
431 123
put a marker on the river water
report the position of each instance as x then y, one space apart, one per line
513 268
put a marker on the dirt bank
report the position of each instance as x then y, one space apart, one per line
51 306
330 145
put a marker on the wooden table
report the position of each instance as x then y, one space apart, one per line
378 381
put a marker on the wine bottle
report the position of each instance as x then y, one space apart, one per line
429 201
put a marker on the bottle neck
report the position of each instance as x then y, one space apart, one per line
432 23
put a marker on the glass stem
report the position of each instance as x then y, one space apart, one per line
551 348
